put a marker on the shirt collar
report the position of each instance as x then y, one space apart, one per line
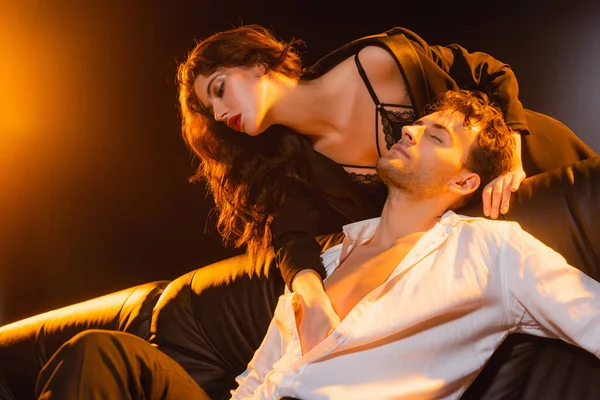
365 230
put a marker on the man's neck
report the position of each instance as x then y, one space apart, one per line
402 217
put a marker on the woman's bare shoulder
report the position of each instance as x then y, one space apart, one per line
377 60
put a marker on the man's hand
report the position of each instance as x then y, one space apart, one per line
496 194
315 316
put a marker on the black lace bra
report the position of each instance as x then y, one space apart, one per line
391 121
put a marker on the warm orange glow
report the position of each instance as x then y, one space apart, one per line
34 73
38 83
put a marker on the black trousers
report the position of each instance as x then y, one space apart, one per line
109 365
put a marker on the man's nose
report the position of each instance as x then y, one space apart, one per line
410 134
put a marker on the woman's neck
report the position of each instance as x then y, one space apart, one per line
310 108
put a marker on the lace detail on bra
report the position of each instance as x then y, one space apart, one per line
392 122
364 179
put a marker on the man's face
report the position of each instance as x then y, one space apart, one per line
429 156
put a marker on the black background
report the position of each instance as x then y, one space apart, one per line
94 191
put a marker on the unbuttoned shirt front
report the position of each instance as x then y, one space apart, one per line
427 331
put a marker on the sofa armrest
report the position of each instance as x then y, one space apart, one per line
26 345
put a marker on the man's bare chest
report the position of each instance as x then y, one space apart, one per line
364 270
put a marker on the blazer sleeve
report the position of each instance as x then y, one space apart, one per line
294 229
474 71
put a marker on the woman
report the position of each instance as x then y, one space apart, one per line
274 139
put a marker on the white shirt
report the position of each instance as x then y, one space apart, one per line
428 330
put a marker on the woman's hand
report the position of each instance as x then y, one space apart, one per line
315 316
496 194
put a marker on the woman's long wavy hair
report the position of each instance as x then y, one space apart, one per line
249 177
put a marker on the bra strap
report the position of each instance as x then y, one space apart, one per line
363 75
379 107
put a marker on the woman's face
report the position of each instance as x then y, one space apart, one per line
235 96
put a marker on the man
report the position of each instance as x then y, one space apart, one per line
425 295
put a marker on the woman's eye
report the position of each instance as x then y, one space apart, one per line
221 89
437 138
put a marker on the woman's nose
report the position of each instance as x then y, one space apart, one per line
219 114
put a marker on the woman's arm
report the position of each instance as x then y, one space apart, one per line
471 71
443 65
294 231
496 194
480 71
316 316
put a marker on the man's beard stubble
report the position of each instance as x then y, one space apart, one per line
413 182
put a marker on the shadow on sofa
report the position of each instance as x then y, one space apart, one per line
212 319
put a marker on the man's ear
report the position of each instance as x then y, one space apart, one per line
260 69
465 183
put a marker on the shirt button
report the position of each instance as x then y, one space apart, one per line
295 369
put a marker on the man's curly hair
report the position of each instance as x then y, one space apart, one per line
493 154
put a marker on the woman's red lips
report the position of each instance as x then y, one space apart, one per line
235 121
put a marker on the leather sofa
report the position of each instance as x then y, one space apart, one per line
212 319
